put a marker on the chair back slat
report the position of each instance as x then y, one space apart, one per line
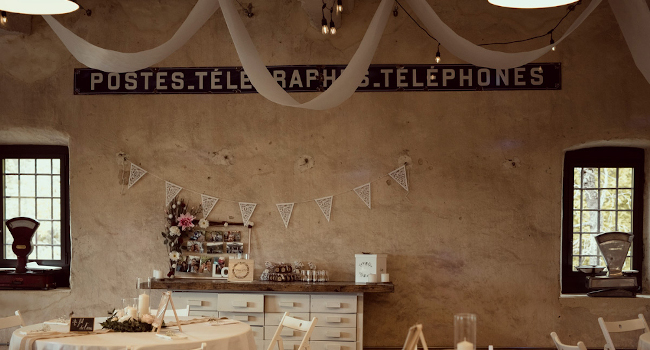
295 324
561 346
619 327
12 321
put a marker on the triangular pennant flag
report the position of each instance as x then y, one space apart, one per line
364 193
285 210
246 211
207 203
325 205
399 175
136 174
171 191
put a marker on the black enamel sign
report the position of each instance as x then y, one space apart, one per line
82 324
408 77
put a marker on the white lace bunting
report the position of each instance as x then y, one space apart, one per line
364 193
136 174
399 175
246 211
325 205
171 190
285 210
207 203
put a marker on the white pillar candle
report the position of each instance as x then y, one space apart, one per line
385 278
143 304
464 345
157 274
372 278
131 311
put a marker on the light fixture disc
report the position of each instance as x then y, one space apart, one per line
38 7
530 4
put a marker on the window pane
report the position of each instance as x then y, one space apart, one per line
577 172
56 186
44 186
9 253
624 199
576 199
589 245
601 261
27 166
624 221
11 185
44 233
56 166
44 252
590 199
56 232
588 260
43 209
56 250
576 262
9 239
11 208
607 221
589 176
576 244
27 186
607 199
44 166
11 166
576 221
608 177
56 209
589 221
28 207
628 264
625 177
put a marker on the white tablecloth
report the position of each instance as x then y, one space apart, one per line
223 337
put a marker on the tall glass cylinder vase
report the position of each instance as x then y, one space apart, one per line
465 331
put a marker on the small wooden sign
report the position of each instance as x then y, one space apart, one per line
82 324
240 270
160 314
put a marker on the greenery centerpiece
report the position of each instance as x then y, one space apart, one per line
123 321
180 218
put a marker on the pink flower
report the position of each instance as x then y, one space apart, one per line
185 221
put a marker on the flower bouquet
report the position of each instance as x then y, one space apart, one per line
180 217
125 321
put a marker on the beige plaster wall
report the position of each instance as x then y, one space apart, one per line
479 231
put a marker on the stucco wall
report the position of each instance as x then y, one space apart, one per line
478 232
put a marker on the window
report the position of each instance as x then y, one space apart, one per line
35 185
602 192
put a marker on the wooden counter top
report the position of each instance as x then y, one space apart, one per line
198 284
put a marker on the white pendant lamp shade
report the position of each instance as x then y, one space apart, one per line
530 4
38 7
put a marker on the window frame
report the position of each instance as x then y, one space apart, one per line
575 282
44 152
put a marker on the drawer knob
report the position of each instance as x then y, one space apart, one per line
238 303
333 319
241 318
332 347
333 334
195 302
287 332
286 303
333 305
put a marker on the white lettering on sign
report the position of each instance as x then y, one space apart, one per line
200 75
519 76
146 76
228 84
536 76
365 80
113 81
502 76
279 77
327 78
447 74
415 82
243 77
312 75
214 80
465 78
177 80
130 80
483 77
401 77
95 78
386 73
160 80
432 73
295 79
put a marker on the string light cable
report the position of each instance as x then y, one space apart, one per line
395 13
248 10
330 28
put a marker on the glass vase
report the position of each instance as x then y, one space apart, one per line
465 331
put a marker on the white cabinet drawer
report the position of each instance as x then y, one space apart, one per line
334 334
286 334
241 302
252 318
196 301
286 303
273 318
287 344
204 313
333 345
346 304
259 344
258 334
335 320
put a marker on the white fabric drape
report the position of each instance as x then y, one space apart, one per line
633 17
120 62
477 55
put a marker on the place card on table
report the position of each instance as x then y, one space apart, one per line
171 336
82 324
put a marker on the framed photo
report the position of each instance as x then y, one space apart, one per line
214 236
182 265
235 248
205 266
219 264
194 263
194 247
233 236
197 235
240 270
214 248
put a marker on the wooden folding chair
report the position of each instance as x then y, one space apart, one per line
621 326
12 321
561 346
297 325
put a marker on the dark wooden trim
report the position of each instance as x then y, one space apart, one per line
198 284
575 282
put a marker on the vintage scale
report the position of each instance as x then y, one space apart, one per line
22 229
614 247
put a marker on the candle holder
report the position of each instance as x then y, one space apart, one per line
465 331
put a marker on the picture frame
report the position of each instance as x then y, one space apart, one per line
241 270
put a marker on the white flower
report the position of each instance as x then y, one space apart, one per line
179 202
203 223
225 224
170 216
119 313
173 265
174 255
174 231
174 206
124 318
147 318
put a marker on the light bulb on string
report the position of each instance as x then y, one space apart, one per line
332 28
552 42
324 27
3 16
339 6
438 54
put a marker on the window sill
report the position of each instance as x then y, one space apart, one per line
62 290
585 296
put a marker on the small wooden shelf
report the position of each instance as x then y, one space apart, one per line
198 284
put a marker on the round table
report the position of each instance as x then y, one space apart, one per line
223 337
644 342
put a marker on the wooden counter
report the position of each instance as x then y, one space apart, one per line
198 284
